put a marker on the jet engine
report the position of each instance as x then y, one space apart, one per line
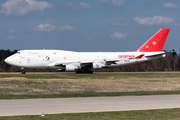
70 67
97 65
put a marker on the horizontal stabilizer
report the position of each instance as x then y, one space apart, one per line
155 55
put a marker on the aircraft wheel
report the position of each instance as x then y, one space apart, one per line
88 72
77 72
23 72
84 72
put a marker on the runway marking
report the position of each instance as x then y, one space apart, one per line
88 103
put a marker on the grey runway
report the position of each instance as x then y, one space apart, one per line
96 104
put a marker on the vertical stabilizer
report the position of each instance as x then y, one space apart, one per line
156 42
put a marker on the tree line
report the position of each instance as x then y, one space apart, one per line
169 63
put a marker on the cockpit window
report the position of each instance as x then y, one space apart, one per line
18 53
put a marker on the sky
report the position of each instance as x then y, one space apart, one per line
87 25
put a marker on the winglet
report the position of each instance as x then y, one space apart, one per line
140 56
156 42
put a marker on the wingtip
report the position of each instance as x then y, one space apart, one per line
140 56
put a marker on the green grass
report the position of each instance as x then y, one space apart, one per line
87 85
161 114
92 76
87 94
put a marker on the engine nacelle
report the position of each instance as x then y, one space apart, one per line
97 65
70 67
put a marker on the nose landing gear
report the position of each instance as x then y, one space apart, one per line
23 71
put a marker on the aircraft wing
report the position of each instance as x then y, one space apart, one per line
60 63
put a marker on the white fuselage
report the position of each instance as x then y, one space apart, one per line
60 59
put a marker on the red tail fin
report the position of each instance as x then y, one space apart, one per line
156 42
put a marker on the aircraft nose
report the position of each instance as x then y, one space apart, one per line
7 60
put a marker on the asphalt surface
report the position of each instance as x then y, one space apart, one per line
96 104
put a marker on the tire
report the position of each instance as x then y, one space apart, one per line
84 72
23 72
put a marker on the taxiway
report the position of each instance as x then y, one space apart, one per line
96 104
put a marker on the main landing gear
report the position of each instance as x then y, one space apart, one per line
23 71
84 72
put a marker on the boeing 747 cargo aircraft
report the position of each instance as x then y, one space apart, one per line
85 62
